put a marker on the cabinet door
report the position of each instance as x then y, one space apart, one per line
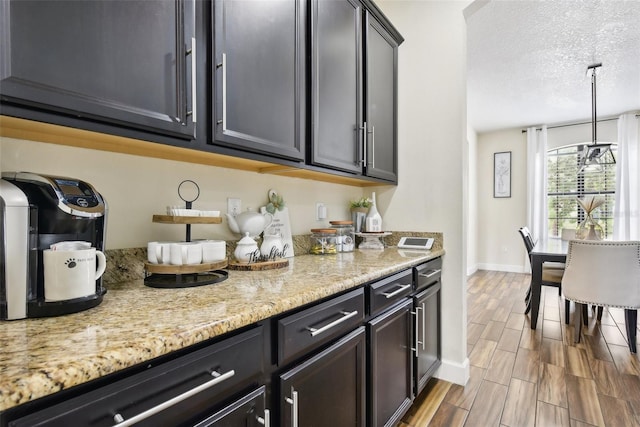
249 411
391 369
336 75
381 102
427 348
127 63
260 76
327 390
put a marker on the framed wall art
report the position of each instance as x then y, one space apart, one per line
502 174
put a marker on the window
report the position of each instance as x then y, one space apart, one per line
565 185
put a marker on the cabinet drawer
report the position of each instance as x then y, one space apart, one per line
427 273
388 291
301 332
177 392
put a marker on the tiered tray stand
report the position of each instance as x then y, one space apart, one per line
183 276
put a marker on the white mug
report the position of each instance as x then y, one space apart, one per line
213 250
159 252
71 274
70 245
186 253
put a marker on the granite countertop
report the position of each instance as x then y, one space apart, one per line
136 323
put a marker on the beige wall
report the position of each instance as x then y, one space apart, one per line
138 187
433 150
432 157
499 245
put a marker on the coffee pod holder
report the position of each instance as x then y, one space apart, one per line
184 276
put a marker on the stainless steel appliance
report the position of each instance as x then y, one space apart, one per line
36 212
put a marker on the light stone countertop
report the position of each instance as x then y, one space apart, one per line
136 323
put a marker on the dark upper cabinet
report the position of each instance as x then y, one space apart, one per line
336 89
259 76
353 89
381 150
128 63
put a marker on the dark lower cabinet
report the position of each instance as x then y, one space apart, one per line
250 411
427 346
128 63
390 365
180 392
327 390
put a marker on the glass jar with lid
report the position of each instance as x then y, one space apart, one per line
345 241
323 241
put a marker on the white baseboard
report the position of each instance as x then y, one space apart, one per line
502 267
457 373
472 269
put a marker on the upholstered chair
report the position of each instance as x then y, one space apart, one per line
604 273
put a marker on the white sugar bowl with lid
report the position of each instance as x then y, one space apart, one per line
245 249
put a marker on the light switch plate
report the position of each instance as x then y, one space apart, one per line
234 206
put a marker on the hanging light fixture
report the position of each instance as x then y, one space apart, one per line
595 155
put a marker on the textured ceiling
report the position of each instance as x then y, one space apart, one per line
527 61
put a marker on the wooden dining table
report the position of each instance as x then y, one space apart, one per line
551 250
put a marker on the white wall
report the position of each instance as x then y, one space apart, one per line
472 203
433 150
432 156
499 245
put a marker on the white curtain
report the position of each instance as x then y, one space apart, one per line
626 212
537 215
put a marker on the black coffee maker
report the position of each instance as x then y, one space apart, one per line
38 211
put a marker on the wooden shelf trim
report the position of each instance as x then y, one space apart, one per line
13 127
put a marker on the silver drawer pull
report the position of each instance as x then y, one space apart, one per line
431 273
397 291
266 420
121 422
345 316
293 401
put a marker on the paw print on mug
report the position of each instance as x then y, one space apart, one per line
71 262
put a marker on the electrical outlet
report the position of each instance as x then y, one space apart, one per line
321 211
234 206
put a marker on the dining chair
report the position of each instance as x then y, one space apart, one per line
604 273
551 276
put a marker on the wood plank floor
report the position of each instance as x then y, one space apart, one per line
522 377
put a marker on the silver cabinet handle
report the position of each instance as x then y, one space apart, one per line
424 324
430 274
194 87
293 401
345 316
121 422
397 291
223 65
360 144
373 146
363 160
416 327
266 420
